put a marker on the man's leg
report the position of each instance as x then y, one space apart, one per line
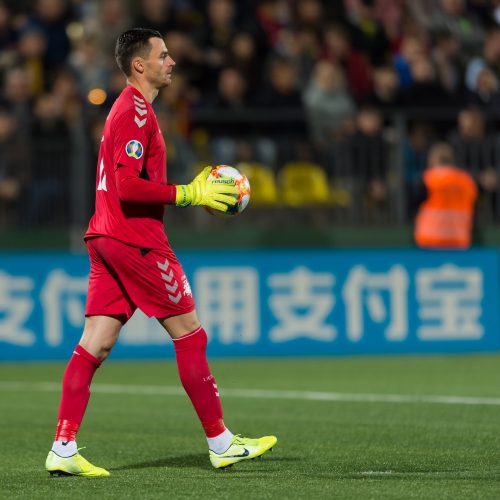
99 336
190 342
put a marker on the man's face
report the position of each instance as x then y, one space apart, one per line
159 65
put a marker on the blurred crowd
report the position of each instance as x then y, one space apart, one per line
360 87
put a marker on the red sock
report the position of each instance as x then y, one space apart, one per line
198 382
75 393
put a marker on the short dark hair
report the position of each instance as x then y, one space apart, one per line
131 43
441 153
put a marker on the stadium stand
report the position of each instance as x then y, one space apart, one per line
264 81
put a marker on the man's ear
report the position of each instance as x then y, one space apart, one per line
138 64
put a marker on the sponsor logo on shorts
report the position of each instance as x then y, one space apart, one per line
134 149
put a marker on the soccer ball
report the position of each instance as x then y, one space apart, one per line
241 181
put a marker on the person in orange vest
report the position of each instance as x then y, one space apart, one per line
445 218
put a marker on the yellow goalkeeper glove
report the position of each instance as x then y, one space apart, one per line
210 193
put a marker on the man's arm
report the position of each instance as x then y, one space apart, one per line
134 189
200 191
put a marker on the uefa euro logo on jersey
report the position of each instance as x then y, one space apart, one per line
134 149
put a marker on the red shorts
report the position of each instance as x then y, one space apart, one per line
124 278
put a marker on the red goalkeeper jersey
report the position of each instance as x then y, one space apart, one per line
132 141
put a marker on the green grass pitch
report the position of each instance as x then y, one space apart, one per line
347 428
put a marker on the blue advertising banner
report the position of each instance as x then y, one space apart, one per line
273 303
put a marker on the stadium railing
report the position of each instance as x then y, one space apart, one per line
346 176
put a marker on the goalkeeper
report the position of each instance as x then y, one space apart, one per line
132 265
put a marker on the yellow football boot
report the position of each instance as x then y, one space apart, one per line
75 465
242 448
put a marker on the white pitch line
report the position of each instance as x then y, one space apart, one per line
157 390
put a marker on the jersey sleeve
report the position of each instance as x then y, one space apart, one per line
132 188
131 140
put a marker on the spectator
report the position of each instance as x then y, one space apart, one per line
215 37
391 13
46 198
369 158
329 105
412 49
308 14
282 88
339 50
106 19
231 95
177 104
181 157
31 49
17 98
281 93
386 94
157 15
189 58
426 91
232 92
232 136
89 65
423 11
367 33
273 16
454 17
14 164
245 55
445 218
302 46
475 148
448 62
51 19
476 151
8 34
415 151
487 93
67 97
490 57
116 84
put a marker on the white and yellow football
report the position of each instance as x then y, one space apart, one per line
243 197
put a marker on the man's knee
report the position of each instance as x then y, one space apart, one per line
100 335
100 350
180 325
105 350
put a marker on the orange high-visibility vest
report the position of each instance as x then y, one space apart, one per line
445 218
